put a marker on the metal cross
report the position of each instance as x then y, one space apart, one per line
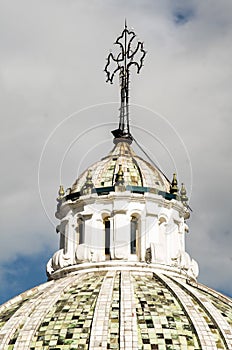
131 52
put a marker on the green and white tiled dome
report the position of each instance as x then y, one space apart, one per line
117 308
137 171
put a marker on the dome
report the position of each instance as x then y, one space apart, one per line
118 307
136 171
121 278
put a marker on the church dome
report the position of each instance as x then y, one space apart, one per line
136 171
118 307
121 278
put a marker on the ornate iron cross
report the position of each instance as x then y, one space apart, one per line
130 53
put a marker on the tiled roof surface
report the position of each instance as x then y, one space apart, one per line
117 309
137 172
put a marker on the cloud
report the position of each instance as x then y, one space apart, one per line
52 60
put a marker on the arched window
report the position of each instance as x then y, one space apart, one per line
107 235
62 229
81 229
62 240
133 234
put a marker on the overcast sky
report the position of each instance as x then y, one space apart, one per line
53 91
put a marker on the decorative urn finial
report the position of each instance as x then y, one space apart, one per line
174 185
88 185
61 192
183 197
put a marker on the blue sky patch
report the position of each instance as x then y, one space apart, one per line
23 273
182 16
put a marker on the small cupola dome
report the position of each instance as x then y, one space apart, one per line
136 171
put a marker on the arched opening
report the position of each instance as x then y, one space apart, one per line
81 230
63 230
62 240
133 235
107 236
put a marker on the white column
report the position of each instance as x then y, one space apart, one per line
121 235
97 230
69 235
162 249
143 237
88 236
112 238
72 235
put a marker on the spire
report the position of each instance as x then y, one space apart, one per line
88 185
61 192
129 54
174 185
183 196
